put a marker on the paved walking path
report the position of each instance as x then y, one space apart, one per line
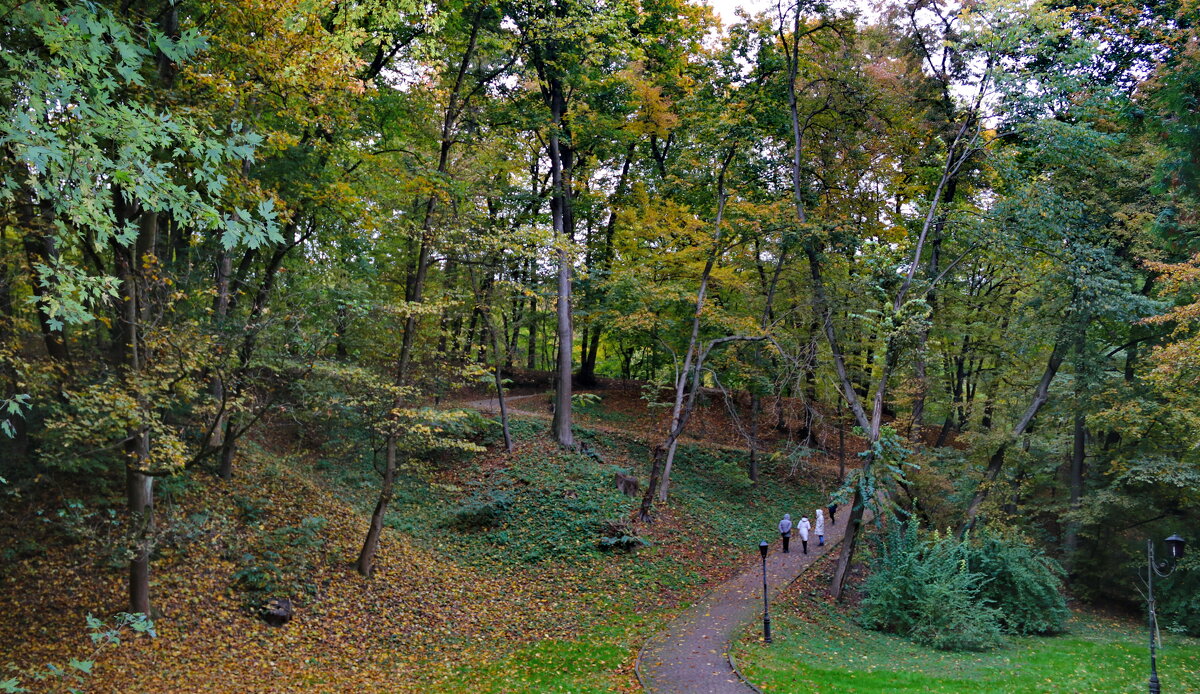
690 656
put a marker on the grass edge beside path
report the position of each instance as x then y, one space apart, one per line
818 648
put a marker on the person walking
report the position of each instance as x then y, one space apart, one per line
785 530
833 513
803 527
819 528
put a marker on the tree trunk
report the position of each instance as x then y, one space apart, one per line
693 360
1040 395
560 212
1075 485
139 487
841 446
366 558
216 385
531 344
140 497
416 289
755 408
591 347
41 249
849 542
917 423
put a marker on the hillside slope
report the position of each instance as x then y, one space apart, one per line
491 576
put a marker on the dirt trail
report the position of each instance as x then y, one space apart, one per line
493 405
690 656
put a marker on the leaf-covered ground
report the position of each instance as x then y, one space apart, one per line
522 600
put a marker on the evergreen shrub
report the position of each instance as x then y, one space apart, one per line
961 595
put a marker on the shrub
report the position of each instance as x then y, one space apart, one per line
925 590
483 509
282 565
620 534
1023 583
957 595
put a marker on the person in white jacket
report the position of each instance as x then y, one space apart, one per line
819 528
803 527
785 530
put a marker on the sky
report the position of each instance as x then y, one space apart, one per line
725 8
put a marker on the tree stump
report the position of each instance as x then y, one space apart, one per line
627 484
278 611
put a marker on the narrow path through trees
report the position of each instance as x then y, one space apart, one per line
690 656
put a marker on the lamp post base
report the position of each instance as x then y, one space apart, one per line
767 636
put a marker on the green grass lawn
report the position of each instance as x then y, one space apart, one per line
830 653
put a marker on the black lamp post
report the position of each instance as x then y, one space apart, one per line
1175 545
762 549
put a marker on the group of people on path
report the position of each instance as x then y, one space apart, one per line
804 527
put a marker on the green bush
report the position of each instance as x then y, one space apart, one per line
1023 583
961 595
924 589
620 534
282 565
483 509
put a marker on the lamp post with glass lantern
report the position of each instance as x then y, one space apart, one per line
1175 545
762 549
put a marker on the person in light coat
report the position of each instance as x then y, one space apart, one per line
785 530
803 527
819 528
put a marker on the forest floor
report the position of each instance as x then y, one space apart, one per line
523 600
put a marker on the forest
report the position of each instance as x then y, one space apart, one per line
351 311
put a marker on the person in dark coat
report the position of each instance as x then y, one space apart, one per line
833 513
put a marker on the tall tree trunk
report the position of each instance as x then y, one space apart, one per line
755 410
603 264
821 305
560 212
250 332
416 294
917 423
40 249
1078 450
1040 395
531 344
216 384
416 288
1075 485
140 498
841 446
692 363
139 484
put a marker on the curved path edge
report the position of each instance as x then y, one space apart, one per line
692 654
